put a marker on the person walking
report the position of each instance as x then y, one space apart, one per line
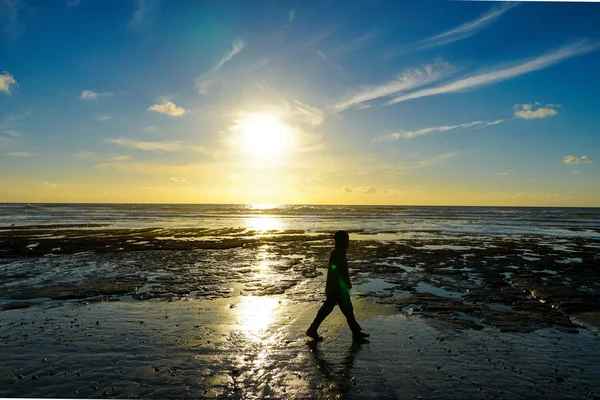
337 289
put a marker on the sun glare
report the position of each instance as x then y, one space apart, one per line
263 135
257 313
264 223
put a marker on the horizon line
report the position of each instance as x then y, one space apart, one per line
293 204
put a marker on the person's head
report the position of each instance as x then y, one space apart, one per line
342 239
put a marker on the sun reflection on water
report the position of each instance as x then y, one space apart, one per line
264 223
256 313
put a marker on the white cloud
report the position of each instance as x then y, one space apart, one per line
435 129
168 108
292 15
363 173
177 179
461 32
6 82
499 75
103 118
535 110
575 160
154 146
91 95
407 80
496 122
18 154
204 81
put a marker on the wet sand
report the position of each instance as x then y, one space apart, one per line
253 347
196 313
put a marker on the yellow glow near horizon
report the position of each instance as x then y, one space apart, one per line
263 135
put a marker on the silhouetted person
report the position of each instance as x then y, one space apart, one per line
337 289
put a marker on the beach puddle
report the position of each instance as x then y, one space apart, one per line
426 288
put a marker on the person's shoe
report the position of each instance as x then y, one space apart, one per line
313 334
360 335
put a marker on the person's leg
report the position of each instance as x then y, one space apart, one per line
324 311
346 307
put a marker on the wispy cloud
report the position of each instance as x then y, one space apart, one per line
103 118
308 114
575 160
91 95
292 15
90 155
363 190
152 129
535 110
6 82
9 126
435 129
441 158
73 3
18 154
10 133
461 32
504 173
179 179
499 75
168 108
50 185
9 18
154 146
335 65
204 81
407 80
144 11
352 45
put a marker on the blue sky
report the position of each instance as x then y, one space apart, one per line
366 102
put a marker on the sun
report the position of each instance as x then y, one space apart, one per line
263 135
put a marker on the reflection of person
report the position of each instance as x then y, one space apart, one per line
337 289
338 379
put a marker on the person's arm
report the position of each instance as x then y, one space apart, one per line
346 275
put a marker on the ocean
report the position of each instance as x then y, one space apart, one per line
546 221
